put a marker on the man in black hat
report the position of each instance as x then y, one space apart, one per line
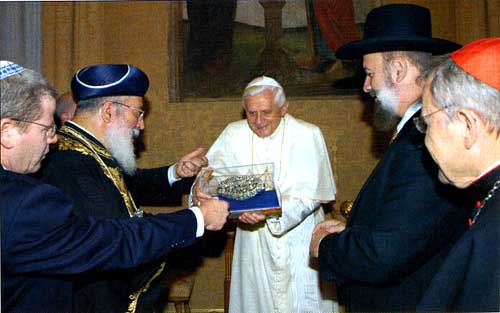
95 165
403 220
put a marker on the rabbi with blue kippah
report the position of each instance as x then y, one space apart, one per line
46 247
95 165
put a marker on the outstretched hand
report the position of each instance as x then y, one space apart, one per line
190 164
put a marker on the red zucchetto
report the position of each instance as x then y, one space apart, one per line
481 59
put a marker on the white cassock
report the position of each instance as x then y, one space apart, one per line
271 265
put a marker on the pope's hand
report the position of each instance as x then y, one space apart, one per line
190 164
214 212
252 218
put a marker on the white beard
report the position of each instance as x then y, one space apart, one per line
121 146
387 100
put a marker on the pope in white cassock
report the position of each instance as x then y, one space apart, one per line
271 269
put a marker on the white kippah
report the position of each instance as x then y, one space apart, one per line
264 81
8 68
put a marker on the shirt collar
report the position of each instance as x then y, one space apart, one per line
495 166
408 114
82 128
483 184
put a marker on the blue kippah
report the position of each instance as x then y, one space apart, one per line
8 69
106 80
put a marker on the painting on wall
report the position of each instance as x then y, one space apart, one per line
228 43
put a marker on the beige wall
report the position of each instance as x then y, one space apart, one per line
76 34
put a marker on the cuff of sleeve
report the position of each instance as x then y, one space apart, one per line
171 174
200 228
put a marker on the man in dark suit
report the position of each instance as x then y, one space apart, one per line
95 165
44 244
403 219
461 120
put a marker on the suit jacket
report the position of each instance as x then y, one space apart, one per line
44 244
80 177
400 227
469 278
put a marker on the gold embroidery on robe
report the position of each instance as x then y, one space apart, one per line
70 139
135 296
77 143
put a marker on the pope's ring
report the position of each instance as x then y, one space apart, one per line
198 204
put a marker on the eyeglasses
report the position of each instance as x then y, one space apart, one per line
420 122
50 130
141 112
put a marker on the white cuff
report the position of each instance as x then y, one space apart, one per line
171 174
200 227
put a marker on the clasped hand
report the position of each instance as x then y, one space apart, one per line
322 230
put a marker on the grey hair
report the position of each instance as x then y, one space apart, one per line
453 88
21 94
279 94
92 105
421 60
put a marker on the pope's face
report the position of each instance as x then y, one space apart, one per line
263 115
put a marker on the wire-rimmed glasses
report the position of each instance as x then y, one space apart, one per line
141 112
420 122
50 130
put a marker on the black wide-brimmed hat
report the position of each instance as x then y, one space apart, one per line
104 80
396 27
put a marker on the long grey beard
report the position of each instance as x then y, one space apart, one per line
121 147
385 116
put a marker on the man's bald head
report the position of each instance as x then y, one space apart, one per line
65 107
